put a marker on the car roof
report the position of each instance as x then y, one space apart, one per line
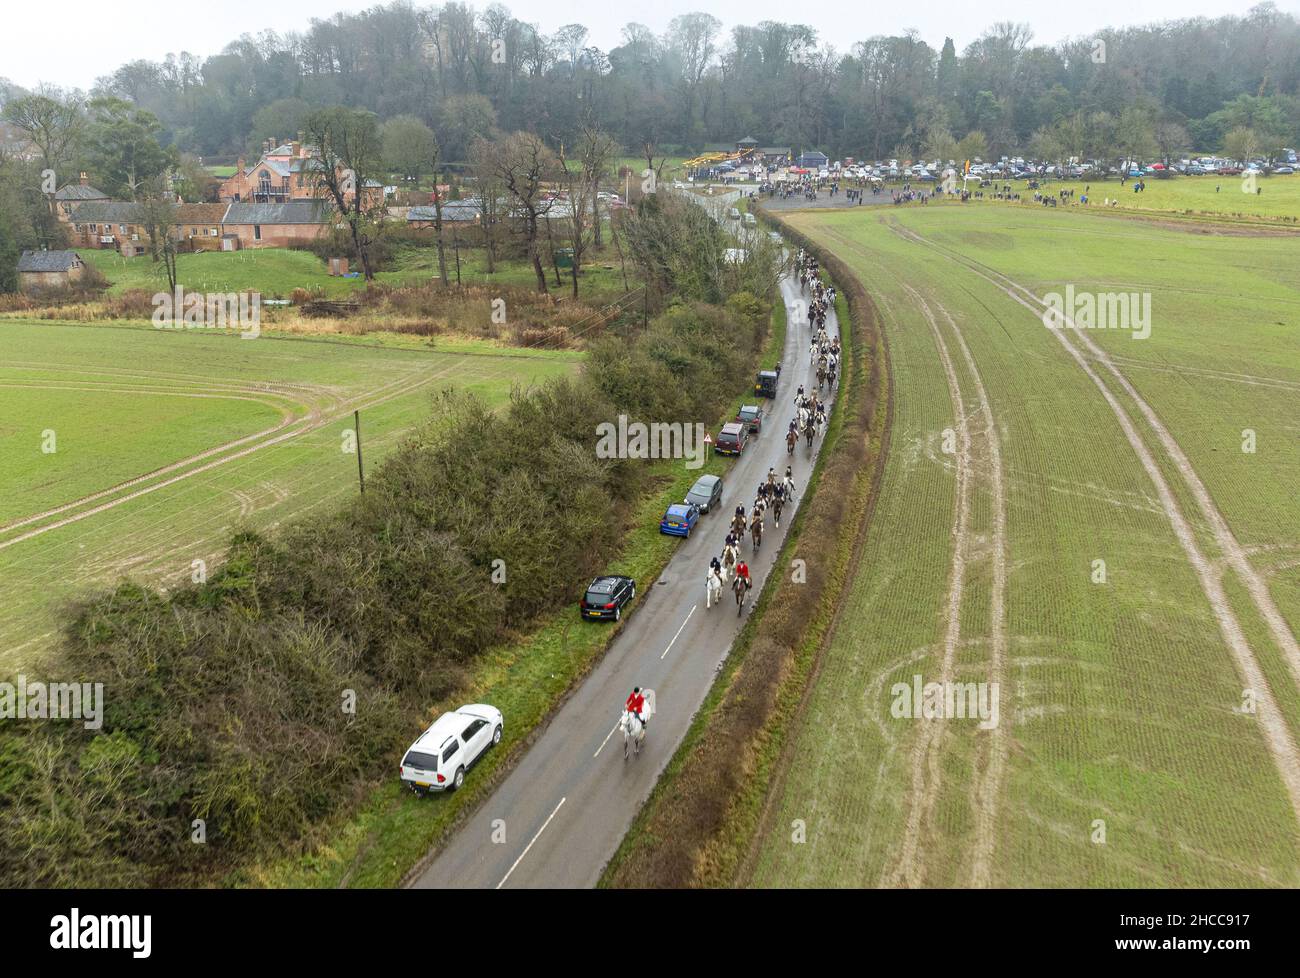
749 407
679 508
707 480
767 373
732 427
447 725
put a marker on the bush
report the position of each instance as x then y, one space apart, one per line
228 701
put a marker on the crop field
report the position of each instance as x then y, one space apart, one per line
136 452
1103 529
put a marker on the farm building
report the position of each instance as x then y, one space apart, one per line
275 225
813 160
453 211
39 271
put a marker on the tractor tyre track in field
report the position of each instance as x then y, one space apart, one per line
315 420
910 870
1277 735
988 784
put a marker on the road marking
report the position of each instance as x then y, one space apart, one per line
606 740
679 631
530 845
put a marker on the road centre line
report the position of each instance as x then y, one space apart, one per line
530 845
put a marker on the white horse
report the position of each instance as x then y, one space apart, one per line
633 733
730 556
712 588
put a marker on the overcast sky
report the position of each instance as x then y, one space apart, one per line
72 43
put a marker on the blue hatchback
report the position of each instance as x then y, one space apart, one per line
680 519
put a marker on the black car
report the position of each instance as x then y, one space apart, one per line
706 493
765 383
606 596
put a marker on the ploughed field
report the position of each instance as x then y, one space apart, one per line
136 452
1104 530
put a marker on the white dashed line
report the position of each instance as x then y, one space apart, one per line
530 845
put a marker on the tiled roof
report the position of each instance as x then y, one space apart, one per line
105 212
75 191
452 210
47 261
289 212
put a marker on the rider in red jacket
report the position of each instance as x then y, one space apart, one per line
742 570
636 703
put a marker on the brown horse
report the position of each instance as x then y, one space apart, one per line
756 531
790 439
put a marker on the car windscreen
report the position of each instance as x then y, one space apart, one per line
598 597
418 759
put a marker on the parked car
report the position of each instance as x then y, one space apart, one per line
734 214
751 415
732 438
1229 170
765 383
750 219
680 519
1285 169
706 493
606 597
440 756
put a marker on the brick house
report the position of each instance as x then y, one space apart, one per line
274 225
283 173
108 224
71 194
198 226
39 271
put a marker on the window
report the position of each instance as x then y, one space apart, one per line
121 229
257 232
447 754
77 227
472 729
420 760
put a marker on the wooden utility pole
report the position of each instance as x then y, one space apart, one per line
356 428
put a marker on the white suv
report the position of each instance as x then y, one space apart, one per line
437 761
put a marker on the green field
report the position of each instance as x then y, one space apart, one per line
276 272
1123 755
1278 196
165 442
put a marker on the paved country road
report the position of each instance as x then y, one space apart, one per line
567 804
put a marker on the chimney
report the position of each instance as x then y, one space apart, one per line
295 146
85 181
242 164
302 136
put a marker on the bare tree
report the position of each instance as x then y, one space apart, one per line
349 151
523 165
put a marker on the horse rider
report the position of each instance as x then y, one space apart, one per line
636 704
742 571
